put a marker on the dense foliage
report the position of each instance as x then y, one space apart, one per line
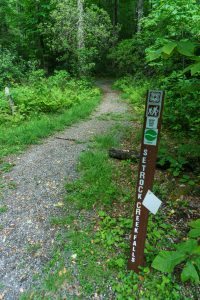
170 42
44 95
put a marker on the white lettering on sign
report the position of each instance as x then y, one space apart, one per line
142 176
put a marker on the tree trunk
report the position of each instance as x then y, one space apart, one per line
139 13
115 19
80 34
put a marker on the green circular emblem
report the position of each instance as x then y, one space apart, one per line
150 135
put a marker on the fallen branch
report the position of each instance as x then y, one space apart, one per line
66 139
122 154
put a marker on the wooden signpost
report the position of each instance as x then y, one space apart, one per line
148 155
10 100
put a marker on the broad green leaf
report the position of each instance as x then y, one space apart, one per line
197 58
152 55
196 251
194 233
190 273
187 247
196 261
169 47
195 224
193 68
120 262
165 56
102 213
186 47
166 261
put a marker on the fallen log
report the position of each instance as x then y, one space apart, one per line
123 154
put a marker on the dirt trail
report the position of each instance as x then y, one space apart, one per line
37 182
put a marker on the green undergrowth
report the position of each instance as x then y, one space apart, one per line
17 137
134 92
92 247
179 150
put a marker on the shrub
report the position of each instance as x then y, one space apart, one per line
11 67
129 56
44 95
182 106
188 252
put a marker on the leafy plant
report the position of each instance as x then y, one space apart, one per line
11 68
188 252
31 123
187 179
45 95
184 47
175 165
195 229
128 56
112 231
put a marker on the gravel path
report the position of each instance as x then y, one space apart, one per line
33 188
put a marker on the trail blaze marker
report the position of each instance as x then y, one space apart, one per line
148 155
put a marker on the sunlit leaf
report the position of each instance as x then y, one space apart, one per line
154 54
190 273
195 224
169 48
195 68
186 47
187 247
194 233
196 261
166 261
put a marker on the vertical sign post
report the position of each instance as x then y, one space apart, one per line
148 155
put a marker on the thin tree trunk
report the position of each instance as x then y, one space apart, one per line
139 12
115 19
80 33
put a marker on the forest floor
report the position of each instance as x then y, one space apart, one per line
33 191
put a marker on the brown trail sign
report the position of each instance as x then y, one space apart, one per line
148 155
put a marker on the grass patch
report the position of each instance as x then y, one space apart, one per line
16 139
6 167
116 117
33 248
96 168
3 209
